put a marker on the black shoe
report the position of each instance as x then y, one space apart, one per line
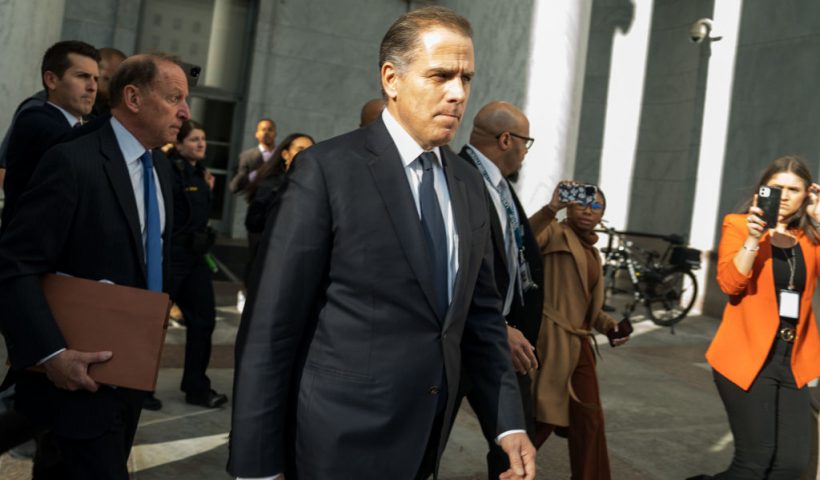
210 399
151 403
700 477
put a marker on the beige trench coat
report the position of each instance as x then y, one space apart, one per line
567 302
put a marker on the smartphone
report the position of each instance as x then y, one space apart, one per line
768 200
583 194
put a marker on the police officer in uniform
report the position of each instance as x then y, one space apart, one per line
191 283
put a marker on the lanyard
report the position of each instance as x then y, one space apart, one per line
512 215
792 262
525 281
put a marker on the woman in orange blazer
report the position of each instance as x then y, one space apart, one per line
767 346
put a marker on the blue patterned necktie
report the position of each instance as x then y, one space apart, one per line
153 234
434 231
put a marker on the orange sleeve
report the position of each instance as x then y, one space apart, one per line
817 260
731 281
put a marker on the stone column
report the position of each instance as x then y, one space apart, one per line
27 29
558 43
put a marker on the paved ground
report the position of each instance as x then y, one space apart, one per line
664 418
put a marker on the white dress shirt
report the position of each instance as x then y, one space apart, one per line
71 119
266 154
409 151
132 150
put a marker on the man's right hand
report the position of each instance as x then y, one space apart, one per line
523 353
69 369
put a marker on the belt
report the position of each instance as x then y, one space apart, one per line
787 334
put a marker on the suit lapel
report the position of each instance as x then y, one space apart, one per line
391 181
120 180
498 235
162 167
495 223
461 217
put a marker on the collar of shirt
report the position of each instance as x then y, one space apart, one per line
71 119
492 171
130 147
132 150
266 154
409 150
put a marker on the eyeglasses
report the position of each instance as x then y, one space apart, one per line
528 141
593 205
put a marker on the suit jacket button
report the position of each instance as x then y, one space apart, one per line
434 390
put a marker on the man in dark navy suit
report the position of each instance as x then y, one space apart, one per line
498 144
102 205
376 291
70 70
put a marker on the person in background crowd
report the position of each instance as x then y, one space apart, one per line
371 111
69 74
498 144
39 98
567 399
263 189
376 290
87 200
253 158
110 59
191 279
767 346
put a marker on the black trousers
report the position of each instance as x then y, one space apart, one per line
193 292
498 461
428 462
771 423
71 449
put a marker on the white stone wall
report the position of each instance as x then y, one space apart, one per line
103 23
27 29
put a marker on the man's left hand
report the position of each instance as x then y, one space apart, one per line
523 353
522 457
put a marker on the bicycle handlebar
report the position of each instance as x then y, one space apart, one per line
673 238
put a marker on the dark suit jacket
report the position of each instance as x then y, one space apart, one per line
526 318
249 160
342 321
86 226
34 131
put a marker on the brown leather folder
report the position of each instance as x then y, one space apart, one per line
129 322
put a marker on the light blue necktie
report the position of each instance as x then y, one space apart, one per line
153 234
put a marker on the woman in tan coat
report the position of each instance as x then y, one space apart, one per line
565 385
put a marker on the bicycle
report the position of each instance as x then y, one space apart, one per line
663 283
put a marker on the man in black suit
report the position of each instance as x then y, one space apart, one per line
253 158
69 73
498 144
97 208
110 60
376 284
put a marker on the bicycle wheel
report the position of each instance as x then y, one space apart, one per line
670 298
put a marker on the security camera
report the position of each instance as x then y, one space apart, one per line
700 31
192 72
